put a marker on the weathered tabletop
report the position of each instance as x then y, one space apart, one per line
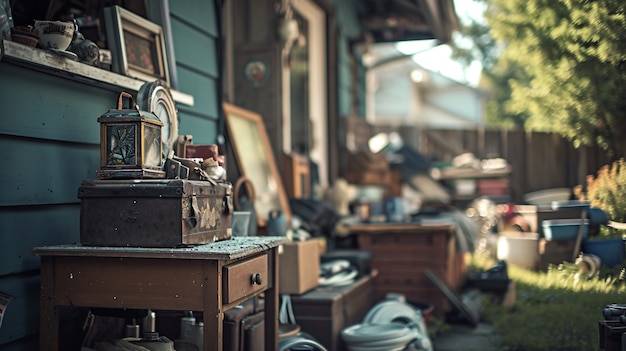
233 248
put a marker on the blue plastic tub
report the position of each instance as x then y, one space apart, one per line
610 251
563 229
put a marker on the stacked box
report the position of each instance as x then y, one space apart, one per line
299 267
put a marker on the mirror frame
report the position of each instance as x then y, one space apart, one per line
250 158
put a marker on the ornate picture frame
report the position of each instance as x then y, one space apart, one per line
137 45
255 159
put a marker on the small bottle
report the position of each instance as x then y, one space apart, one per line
186 326
132 330
198 335
149 323
191 331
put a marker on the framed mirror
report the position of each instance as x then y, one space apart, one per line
255 160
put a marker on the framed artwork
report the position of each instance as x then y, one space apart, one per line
255 159
137 45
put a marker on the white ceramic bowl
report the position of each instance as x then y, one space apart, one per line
54 34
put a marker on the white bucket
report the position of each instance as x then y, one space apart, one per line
520 249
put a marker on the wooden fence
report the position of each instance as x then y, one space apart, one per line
539 160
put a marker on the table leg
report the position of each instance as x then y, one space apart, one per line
49 322
213 313
271 304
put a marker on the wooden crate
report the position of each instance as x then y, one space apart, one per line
368 177
401 253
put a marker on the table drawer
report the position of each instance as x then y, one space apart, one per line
245 278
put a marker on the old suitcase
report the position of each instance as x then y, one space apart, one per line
244 326
154 212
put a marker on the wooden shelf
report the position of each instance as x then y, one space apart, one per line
47 62
471 173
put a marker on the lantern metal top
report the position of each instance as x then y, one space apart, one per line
131 114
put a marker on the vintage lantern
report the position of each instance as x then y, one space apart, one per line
130 143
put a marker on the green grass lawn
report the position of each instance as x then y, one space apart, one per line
555 310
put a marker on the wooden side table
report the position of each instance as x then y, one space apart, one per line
211 278
401 253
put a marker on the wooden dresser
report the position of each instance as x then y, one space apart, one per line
211 278
401 252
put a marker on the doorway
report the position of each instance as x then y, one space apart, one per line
305 88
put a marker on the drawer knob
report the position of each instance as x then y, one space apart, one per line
256 279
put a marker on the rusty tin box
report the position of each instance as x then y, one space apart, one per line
154 213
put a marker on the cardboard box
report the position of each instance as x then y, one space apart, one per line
299 267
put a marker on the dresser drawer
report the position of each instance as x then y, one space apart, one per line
245 278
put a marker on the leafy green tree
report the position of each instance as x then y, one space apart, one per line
475 43
572 57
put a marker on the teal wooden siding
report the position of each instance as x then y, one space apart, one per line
51 138
195 36
344 78
22 314
25 225
348 31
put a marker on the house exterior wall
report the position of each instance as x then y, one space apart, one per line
432 117
49 130
254 38
435 102
253 25
459 100
195 36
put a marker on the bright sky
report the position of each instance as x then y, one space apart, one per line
437 59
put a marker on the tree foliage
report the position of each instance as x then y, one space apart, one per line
475 43
565 61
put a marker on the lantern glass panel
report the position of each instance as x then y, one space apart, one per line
121 146
152 146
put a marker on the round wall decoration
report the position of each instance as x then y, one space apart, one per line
256 71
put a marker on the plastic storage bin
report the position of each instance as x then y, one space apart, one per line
563 229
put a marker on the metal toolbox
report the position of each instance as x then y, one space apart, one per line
154 212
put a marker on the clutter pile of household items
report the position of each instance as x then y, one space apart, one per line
149 195
551 229
337 310
155 189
